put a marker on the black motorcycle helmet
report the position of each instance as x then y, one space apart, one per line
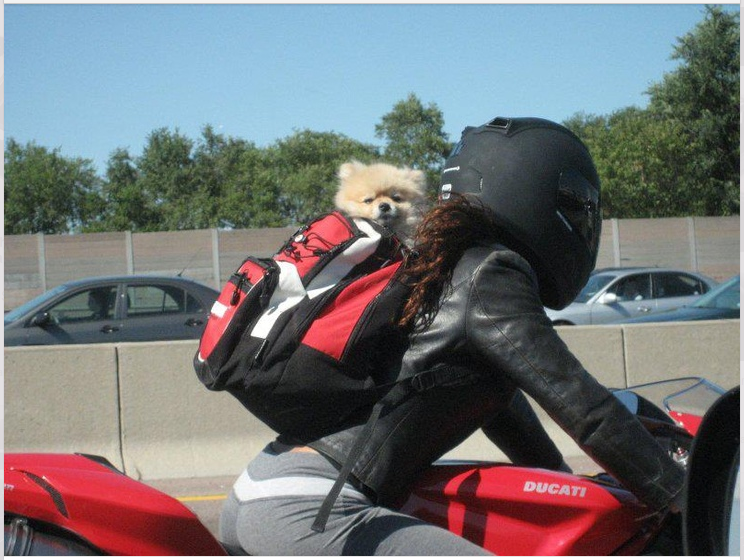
540 182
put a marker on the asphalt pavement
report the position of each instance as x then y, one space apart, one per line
203 496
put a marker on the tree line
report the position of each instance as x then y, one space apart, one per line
677 157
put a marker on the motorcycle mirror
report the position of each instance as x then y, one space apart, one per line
734 529
711 515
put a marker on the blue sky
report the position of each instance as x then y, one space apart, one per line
90 78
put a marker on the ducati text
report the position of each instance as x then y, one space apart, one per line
555 488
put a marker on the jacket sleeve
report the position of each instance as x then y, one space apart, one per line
517 423
507 327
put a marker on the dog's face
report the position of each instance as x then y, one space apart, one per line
387 194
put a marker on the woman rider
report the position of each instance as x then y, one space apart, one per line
517 229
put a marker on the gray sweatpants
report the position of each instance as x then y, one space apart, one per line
273 504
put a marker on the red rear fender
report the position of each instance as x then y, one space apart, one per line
113 512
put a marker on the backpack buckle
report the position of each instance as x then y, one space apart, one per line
423 381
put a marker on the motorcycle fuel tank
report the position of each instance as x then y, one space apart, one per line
516 511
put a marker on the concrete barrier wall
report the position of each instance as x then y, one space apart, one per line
141 405
172 426
63 399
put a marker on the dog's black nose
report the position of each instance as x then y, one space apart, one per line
384 207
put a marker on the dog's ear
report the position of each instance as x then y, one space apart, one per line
347 169
418 177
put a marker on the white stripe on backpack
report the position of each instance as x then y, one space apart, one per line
289 291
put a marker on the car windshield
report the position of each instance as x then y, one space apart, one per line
725 296
21 310
596 282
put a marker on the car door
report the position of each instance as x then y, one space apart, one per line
633 293
675 289
161 311
86 316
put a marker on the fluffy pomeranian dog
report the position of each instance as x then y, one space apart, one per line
392 196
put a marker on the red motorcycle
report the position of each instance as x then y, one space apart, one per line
76 504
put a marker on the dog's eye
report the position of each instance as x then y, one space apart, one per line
368 200
397 198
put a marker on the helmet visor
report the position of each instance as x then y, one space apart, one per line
578 207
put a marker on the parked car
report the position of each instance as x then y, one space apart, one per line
722 302
112 309
617 294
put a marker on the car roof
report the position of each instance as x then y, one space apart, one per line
132 278
631 269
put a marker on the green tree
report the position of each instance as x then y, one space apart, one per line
414 136
639 160
127 207
252 198
643 160
304 168
166 181
680 156
233 174
223 178
701 99
46 192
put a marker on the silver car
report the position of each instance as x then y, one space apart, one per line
615 294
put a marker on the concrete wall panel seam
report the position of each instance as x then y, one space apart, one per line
119 408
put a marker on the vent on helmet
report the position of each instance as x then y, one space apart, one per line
499 122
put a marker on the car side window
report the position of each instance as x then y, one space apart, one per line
193 305
155 299
97 304
160 299
633 288
667 285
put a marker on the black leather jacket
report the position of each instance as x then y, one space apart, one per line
492 321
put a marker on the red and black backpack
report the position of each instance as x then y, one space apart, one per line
308 340
301 339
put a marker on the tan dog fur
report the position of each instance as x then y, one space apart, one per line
392 196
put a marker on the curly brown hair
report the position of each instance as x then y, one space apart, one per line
444 234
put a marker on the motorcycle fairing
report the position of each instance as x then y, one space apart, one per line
689 422
517 511
102 506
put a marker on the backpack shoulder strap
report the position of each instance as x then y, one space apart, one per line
399 392
438 376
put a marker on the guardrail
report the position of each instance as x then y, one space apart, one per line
141 405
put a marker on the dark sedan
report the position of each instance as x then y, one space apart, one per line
722 302
112 309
